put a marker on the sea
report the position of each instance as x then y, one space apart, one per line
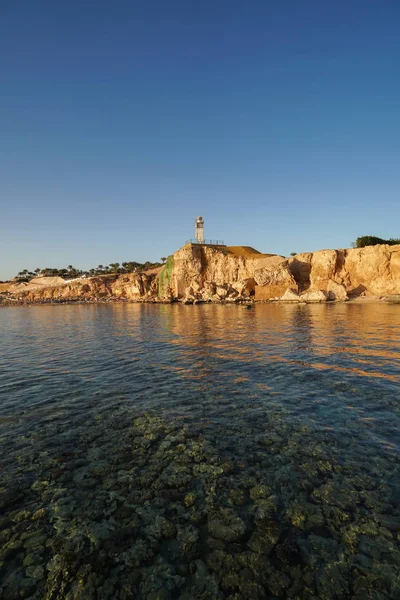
152 451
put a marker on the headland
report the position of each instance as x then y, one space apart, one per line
200 272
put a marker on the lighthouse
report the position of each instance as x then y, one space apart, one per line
200 230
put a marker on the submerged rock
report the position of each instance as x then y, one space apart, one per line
265 536
226 526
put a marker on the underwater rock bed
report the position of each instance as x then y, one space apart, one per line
145 505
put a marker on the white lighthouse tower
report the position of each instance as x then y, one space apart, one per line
200 230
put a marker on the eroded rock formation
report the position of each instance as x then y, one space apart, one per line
202 273
198 273
373 271
132 286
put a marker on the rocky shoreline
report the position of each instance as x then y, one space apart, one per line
230 274
247 302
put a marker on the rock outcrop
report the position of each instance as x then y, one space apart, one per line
132 286
207 272
200 273
370 271
334 275
290 295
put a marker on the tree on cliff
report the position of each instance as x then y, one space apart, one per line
372 240
114 267
71 271
23 274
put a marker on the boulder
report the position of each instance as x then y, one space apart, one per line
336 291
208 291
222 291
245 287
314 296
189 292
290 295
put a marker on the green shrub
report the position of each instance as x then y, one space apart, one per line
372 240
165 277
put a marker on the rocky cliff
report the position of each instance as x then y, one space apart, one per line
371 271
132 286
214 273
204 273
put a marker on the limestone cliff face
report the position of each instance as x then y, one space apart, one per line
132 286
373 270
203 273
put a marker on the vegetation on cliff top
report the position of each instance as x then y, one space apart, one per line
372 240
71 271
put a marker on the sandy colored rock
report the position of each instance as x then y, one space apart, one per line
267 292
290 295
300 268
50 281
336 291
238 272
222 291
314 296
323 268
208 291
131 286
278 274
245 287
200 265
372 271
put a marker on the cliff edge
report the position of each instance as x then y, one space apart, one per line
203 273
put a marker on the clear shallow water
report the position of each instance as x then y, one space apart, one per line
200 451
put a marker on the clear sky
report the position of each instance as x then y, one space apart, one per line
120 121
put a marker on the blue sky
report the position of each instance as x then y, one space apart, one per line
120 121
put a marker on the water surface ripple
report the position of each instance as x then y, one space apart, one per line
193 452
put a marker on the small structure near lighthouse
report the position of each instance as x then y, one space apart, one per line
199 233
200 230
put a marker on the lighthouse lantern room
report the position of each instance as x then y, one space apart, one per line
200 230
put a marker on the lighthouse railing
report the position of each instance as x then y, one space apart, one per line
206 242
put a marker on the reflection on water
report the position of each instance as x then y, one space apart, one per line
200 451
